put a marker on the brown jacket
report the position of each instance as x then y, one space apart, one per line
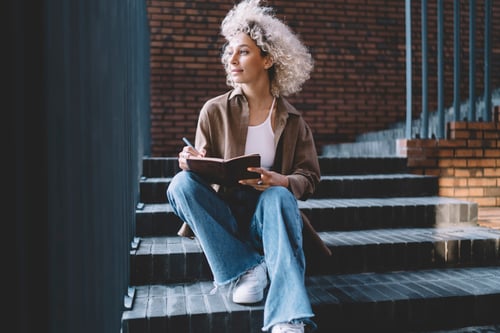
222 131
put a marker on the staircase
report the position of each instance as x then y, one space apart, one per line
404 259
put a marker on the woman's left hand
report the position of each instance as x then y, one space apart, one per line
267 179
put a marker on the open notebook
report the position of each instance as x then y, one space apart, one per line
225 172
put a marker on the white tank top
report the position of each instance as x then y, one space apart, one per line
260 139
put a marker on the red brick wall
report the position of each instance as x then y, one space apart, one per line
357 86
467 163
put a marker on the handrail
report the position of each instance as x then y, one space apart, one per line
471 113
408 68
456 60
472 60
487 55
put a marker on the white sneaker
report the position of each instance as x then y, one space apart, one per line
288 328
250 286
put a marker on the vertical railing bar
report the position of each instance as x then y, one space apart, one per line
424 128
408 68
440 31
472 65
456 60
487 55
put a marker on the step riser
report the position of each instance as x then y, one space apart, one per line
377 188
362 218
362 165
164 223
154 190
403 316
168 166
155 261
168 268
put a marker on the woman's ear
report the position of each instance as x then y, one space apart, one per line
268 62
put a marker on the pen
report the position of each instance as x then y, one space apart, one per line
187 142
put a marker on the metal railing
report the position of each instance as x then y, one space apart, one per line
471 115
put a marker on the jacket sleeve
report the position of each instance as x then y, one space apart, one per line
203 132
301 165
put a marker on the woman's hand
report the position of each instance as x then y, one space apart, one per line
188 152
267 179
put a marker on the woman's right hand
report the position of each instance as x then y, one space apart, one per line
188 152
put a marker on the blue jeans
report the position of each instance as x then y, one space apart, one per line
240 229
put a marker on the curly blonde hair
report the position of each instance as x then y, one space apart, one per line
292 62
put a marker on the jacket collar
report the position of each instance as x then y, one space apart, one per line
281 103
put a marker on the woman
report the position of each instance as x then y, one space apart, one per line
251 233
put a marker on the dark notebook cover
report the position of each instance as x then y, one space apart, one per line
225 172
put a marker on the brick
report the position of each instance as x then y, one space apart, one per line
469 153
493 191
429 171
463 135
452 143
482 126
447 192
456 125
422 143
483 182
452 181
461 192
492 153
469 172
481 162
492 172
487 201
447 172
492 135
422 163
452 162
476 191
445 153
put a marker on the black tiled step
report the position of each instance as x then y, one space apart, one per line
407 249
168 259
362 165
152 190
346 186
342 214
494 328
158 167
398 301
376 186
173 259
375 213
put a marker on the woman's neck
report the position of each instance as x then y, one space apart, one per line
259 105
258 99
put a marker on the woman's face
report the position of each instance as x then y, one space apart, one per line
245 62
